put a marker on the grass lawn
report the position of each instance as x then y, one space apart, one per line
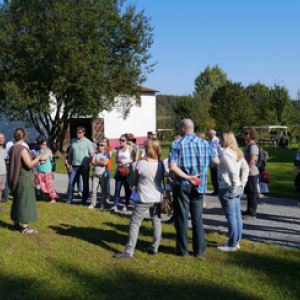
279 167
71 258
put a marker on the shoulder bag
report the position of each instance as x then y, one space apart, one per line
165 204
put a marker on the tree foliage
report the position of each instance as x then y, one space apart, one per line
197 109
84 52
279 100
209 81
260 95
166 117
230 105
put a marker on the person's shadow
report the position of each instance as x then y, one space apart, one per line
103 238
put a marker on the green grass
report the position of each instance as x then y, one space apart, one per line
279 167
71 258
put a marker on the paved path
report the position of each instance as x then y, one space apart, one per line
278 220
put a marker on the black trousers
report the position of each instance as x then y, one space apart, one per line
251 192
214 178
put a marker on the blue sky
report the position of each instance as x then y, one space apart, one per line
250 40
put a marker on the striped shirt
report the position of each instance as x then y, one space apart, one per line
192 155
3 156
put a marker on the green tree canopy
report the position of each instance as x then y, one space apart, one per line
279 101
209 81
230 106
83 51
259 105
197 109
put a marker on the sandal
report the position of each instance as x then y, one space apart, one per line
53 201
18 227
27 230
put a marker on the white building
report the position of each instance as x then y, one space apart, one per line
140 121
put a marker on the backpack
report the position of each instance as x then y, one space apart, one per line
262 159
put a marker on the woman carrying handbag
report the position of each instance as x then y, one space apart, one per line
124 172
147 177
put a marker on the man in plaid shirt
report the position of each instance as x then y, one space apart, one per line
189 159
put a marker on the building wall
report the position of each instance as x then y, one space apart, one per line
139 121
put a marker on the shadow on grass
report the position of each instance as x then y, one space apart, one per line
119 282
262 233
281 272
9 226
103 238
143 230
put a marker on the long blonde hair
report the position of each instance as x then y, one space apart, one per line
229 141
153 149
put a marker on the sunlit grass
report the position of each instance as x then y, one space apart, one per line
71 258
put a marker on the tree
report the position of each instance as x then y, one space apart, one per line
279 101
209 81
197 109
230 105
83 52
260 97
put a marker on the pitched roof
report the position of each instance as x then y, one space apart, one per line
145 89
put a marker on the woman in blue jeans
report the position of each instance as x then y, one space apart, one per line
231 188
124 172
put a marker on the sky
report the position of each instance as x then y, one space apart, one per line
250 40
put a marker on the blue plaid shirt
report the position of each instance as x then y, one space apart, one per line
192 155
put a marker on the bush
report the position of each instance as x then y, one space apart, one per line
168 136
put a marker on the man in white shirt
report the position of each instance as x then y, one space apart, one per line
215 146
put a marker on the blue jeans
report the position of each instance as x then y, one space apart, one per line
232 210
107 190
76 171
121 180
5 192
186 198
77 180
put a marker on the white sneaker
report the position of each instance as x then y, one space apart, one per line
114 208
80 195
91 206
227 248
237 245
124 209
107 201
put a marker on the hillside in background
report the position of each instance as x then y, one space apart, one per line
165 104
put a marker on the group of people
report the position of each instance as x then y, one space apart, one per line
187 166
189 158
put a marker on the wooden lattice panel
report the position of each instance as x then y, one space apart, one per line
98 129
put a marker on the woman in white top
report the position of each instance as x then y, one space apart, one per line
124 172
147 177
232 164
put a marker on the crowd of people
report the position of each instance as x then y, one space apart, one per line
233 173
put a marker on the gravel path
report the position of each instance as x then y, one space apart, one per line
278 219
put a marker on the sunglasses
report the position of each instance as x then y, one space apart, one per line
246 133
101 145
122 140
79 132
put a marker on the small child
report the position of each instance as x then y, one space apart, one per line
100 162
